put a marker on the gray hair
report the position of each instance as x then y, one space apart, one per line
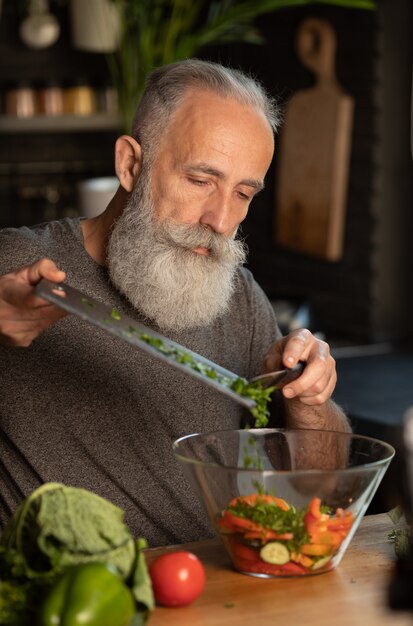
166 88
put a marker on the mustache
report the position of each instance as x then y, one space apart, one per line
190 236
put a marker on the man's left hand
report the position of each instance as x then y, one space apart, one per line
316 384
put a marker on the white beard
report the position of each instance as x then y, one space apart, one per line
154 266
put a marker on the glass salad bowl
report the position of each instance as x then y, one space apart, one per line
284 502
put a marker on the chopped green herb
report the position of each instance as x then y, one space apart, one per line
252 455
240 386
273 517
260 488
115 314
88 302
261 395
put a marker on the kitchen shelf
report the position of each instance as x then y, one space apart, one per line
60 123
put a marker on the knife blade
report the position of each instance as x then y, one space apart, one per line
109 319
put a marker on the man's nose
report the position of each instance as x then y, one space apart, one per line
220 214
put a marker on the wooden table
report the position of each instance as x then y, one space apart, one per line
353 594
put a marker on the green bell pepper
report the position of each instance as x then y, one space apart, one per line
90 594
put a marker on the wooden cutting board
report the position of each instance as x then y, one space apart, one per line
314 152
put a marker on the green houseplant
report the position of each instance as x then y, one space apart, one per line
157 32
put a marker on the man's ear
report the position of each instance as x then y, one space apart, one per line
128 161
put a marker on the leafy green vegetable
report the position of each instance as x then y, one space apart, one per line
14 603
402 542
58 527
402 537
141 581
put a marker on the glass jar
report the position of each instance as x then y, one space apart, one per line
20 101
108 100
80 100
50 99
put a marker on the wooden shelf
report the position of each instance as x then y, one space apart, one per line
59 123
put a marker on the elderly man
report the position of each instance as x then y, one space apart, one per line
81 407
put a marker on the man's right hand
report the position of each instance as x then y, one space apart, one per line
23 314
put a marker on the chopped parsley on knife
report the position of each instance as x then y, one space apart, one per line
240 386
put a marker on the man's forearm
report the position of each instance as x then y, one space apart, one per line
328 416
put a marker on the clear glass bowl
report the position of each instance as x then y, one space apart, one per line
284 502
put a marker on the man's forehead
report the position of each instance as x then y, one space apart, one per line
198 102
210 129
203 111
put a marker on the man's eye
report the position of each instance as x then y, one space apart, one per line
244 196
196 181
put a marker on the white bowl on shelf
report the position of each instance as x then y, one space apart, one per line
95 194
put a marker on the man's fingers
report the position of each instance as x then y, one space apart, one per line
29 277
314 396
45 268
297 347
21 334
315 384
23 314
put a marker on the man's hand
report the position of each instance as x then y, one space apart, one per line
317 382
23 315
307 398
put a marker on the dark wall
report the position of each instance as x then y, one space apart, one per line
361 297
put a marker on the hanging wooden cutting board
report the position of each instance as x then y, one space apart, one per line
314 153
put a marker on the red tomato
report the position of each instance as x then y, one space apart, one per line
178 578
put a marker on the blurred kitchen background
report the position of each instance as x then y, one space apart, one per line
338 263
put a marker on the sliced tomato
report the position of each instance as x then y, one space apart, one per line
311 523
240 522
260 567
314 507
225 526
240 551
267 535
253 498
293 568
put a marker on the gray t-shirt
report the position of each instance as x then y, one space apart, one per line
85 408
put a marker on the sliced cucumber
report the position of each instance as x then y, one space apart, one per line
275 552
321 562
